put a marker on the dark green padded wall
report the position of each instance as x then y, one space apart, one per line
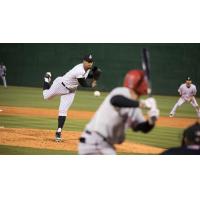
171 63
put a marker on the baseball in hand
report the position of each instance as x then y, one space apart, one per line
97 93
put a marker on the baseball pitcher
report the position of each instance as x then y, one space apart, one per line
187 92
120 110
66 87
3 74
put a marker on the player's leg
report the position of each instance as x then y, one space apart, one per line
92 149
195 106
65 103
4 81
93 144
56 89
178 104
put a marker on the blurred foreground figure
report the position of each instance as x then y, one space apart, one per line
190 142
120 110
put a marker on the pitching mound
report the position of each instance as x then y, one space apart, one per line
44 139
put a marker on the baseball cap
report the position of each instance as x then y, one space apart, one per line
192 133
88 58
188 79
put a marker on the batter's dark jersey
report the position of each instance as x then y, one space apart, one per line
181 151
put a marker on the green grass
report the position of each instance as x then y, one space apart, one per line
164 137
39 123
32 97
84 100
13 150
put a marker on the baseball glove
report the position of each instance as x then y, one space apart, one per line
96 73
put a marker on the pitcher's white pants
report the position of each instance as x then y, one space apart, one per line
181 101
57 89
95 145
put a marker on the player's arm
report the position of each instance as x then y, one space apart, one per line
179 90
121 101
84 83
94 73
4 71
124 102
148 125
144 127
194 91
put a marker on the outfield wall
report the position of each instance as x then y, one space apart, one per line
171 63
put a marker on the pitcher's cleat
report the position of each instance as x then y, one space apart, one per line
58 137
171 115
47 77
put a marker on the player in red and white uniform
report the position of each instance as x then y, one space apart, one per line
120 110
187 92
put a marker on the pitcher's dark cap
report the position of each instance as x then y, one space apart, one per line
88 58
188 79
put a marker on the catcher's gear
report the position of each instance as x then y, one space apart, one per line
135 80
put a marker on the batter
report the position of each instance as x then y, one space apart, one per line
119 111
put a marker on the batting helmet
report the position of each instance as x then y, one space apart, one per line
135 80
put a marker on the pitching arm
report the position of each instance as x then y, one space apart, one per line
84 83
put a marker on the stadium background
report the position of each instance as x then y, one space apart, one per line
27 122
27 63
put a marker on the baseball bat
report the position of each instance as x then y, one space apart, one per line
146 68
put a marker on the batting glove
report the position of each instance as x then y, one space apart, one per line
150 103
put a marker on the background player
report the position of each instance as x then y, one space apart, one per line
3 73
119 111
187 92
66 87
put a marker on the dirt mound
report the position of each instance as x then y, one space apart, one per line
44 139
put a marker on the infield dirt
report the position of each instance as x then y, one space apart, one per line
86 115
38 138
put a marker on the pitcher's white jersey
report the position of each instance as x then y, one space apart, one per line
186 92
70 78
111 122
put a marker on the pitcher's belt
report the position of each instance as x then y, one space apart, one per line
71 90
